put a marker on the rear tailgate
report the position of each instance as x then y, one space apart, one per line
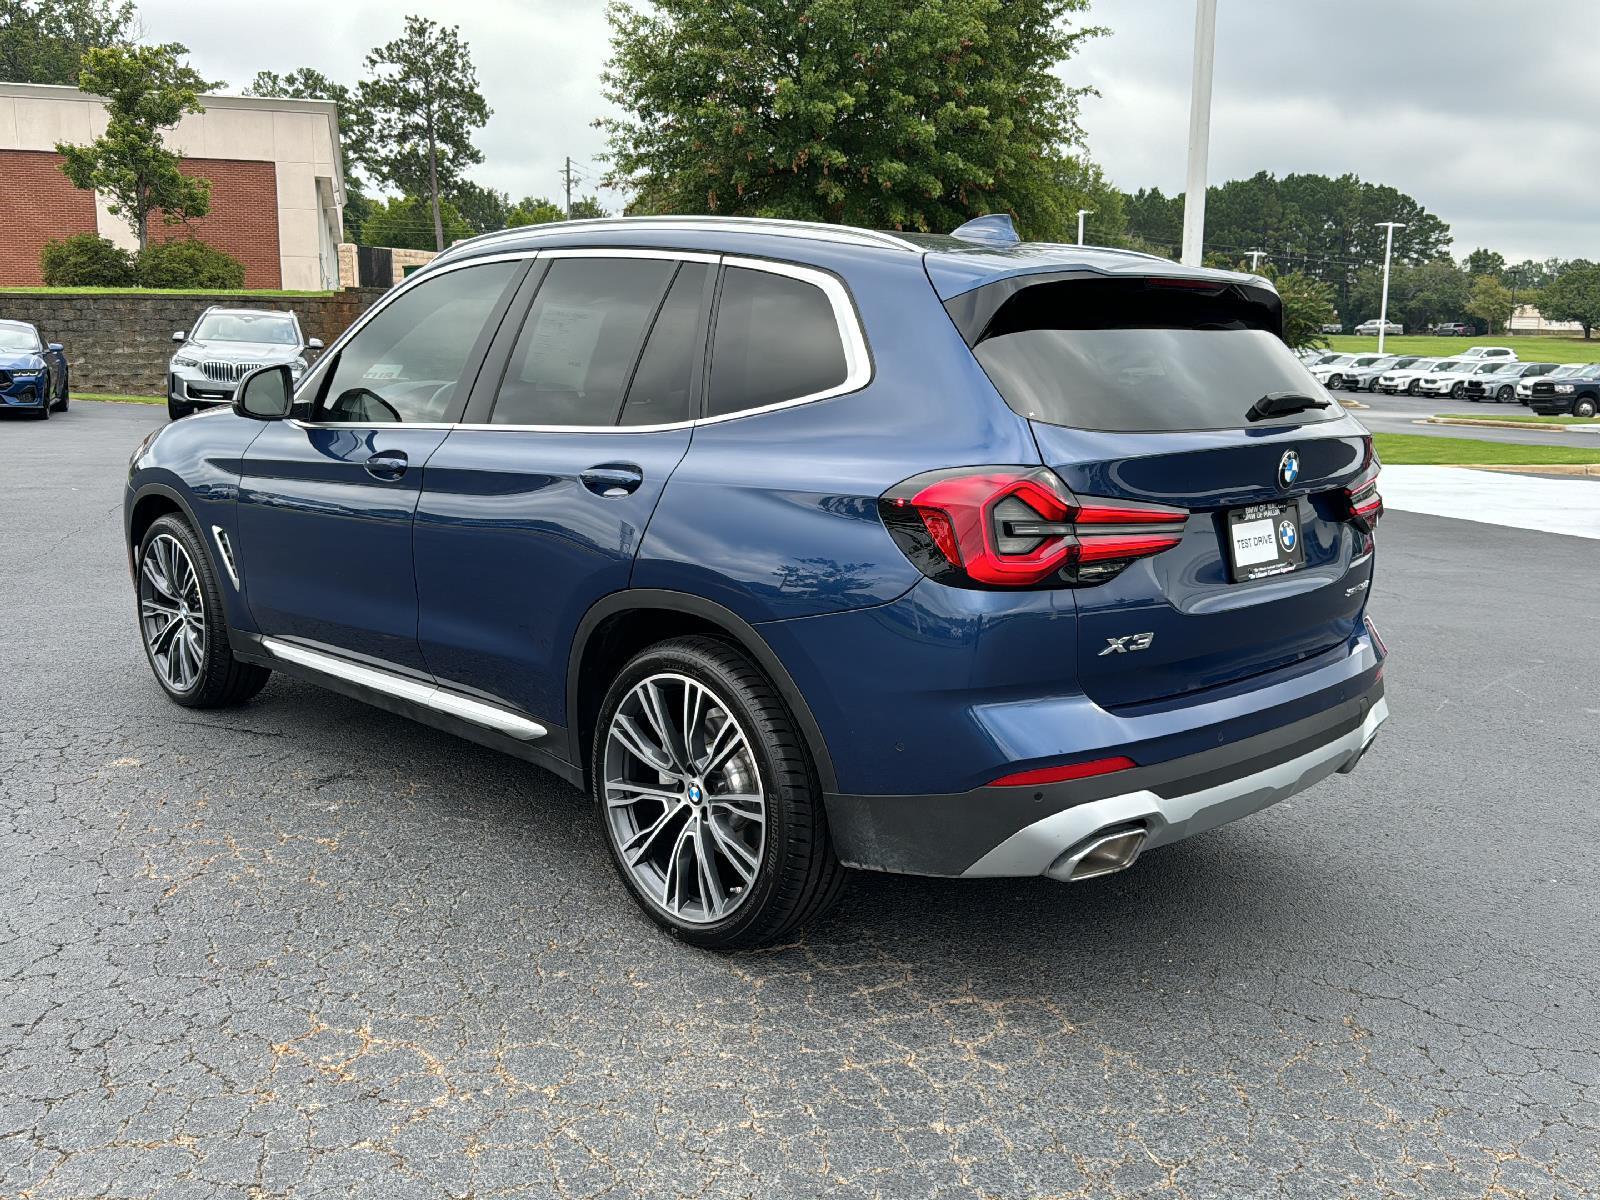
1180 393
1184 621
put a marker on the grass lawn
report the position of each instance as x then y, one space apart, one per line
1415 449
1529 349
136 291
1524 417
117 399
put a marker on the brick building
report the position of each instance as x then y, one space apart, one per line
277 183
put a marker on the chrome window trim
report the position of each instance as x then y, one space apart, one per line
425 694
858 357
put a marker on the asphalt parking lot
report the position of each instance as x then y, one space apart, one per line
1401 414
307 948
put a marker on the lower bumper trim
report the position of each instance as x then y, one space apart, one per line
1033 849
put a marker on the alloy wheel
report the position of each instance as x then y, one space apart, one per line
172 613
684 803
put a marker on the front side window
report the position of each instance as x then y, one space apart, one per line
576 352
406 363
777 339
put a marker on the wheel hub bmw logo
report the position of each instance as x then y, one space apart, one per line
695 793
1287 536
1288 469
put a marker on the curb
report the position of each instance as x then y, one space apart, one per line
1470 423
1538 468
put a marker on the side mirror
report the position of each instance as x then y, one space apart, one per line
314 344
178 335
266 394
56 347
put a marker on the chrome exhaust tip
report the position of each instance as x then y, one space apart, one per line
1104 853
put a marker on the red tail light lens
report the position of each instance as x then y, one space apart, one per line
1362 502
1016 527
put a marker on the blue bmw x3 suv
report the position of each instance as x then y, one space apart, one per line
799 547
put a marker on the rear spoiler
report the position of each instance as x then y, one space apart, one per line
1253 302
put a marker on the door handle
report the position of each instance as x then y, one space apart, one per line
388 464
613 479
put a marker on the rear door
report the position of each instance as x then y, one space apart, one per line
533 509
1141 389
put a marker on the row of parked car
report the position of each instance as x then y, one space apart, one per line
1481 373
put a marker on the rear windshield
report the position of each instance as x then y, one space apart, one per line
1136 356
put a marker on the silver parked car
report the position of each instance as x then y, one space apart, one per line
224 346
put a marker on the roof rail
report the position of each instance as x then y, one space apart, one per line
771 226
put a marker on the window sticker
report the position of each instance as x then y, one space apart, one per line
562 346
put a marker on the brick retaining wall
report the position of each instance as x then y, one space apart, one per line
121 343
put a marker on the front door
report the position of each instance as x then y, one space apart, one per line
327 500
535 508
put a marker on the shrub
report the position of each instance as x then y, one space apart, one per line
188 263
86 260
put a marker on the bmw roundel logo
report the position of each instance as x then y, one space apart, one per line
1288 468
1287 536
695 793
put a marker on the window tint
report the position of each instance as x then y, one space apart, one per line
580 341
661 391
404 363
1134 357
777 339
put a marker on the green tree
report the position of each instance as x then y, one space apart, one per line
1491 302
414 223
483 208
1307 307
1485 262
534 210
1155 220
146 89
910 114
1574 295
587 208
424 104
44 41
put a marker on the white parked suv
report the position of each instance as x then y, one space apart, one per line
1369 328
1497 353
1405 379
1450 379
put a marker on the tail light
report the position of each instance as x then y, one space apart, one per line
991 527
1363 504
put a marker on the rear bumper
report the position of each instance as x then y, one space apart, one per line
1025 831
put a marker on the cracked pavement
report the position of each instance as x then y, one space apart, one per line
306 948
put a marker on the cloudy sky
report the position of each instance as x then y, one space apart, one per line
1484 110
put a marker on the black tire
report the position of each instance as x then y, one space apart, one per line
1583 406
1411 388
42 413
1335 383
1457 390
222 681
176 410
798 876
1505 394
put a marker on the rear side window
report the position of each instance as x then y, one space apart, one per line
777 339
1136 356
580 341
662 388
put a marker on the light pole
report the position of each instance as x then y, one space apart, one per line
1255 259
1082 213
1194 196
1388 251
